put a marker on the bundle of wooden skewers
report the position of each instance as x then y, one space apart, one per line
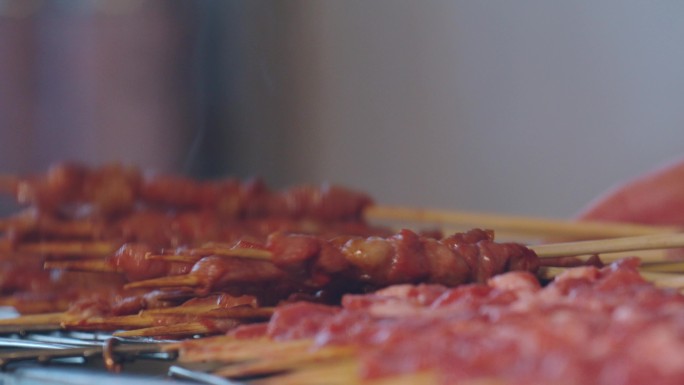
141 255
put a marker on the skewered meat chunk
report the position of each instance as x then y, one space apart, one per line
307 263
112 190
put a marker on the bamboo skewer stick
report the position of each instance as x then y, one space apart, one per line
286 362
135 321
264 356
670 280
178 329
214 311
185 280
646 242
520 225
33 322
423 378
75 248
242 252
193 255
664 267
343 372
92 265
219 340
21 329
241 313
144 319
181 310
227 349
173 258
183 329
34 319
103 266
645 256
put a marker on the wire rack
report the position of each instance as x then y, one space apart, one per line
63 357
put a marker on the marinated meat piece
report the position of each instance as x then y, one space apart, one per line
112 190
306 264
589 326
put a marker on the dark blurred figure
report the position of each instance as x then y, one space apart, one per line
176 85
95 81
161 84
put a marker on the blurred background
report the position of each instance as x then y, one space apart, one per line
525 107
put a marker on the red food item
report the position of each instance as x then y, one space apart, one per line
223 301
656 197
305 264
589 326
114 302
217 272
299 320
293 249
131 260
113 190
249 331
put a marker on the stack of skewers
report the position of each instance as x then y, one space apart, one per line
340 300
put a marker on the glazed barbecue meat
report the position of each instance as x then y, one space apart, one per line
402 258
251 199
31 289
308 263
162 230
113 190
108 219
99 310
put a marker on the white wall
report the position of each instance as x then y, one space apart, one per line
528 107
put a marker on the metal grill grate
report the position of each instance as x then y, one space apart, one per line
61 357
